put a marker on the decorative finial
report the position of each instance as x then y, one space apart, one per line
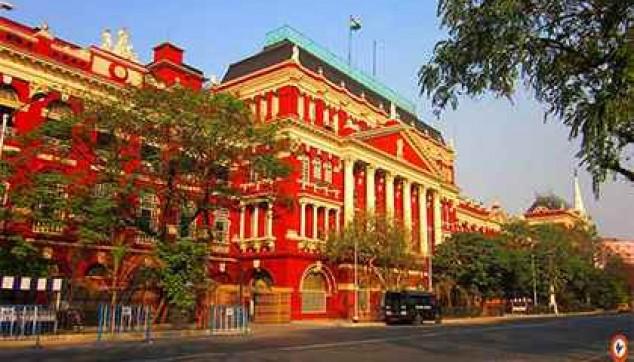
295 54
123 47
393 114
106 40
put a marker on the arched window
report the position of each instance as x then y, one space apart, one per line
314 292
8 93
57 109
97 270
262 282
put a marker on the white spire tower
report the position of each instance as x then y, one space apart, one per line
578 200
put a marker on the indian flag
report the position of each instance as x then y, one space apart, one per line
355 23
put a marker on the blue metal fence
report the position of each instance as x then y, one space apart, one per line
27 320
119 318
229 320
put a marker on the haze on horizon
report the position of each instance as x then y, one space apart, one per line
505 151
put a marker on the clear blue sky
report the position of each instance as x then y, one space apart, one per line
505 151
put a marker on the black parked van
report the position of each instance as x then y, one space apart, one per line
411 307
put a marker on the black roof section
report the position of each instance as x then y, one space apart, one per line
282 51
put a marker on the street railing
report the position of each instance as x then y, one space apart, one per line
19 321
228 320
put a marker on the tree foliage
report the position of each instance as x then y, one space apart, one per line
576 56
472 267
179 148
382 247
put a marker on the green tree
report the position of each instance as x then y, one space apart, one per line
382 247
577 56
176 147
469 268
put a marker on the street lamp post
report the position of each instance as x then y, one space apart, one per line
533 271
355 317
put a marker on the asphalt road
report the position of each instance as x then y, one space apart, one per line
563 339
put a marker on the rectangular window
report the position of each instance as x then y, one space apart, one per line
305 169
4 193
328 172
221 226
148 212
104 140
317 169
7 112
49 211
187 225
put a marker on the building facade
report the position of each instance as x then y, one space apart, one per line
358 148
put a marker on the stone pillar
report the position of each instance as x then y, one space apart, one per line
255 221
275 105
437 218
315 226
348 190
242 221
422 224
269 221
370 188
389 194
311 110
300 106
338 220
302 220
326 221
407 205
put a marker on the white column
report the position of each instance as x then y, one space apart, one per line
315 226
275 105
300 106
311 110
255 221
348 190
263 107
389 194
422 224
407 205
326 221
338 220
269 221
302 220
437 218
370 189
242 221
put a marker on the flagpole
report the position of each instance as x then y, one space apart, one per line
374 58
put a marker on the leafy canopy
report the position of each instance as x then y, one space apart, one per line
576 56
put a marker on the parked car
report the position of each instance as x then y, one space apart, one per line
411 307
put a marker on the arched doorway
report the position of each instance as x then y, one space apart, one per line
268 304
314 292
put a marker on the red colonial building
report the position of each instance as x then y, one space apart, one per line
359 147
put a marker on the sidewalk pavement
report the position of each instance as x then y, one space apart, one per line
70 339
